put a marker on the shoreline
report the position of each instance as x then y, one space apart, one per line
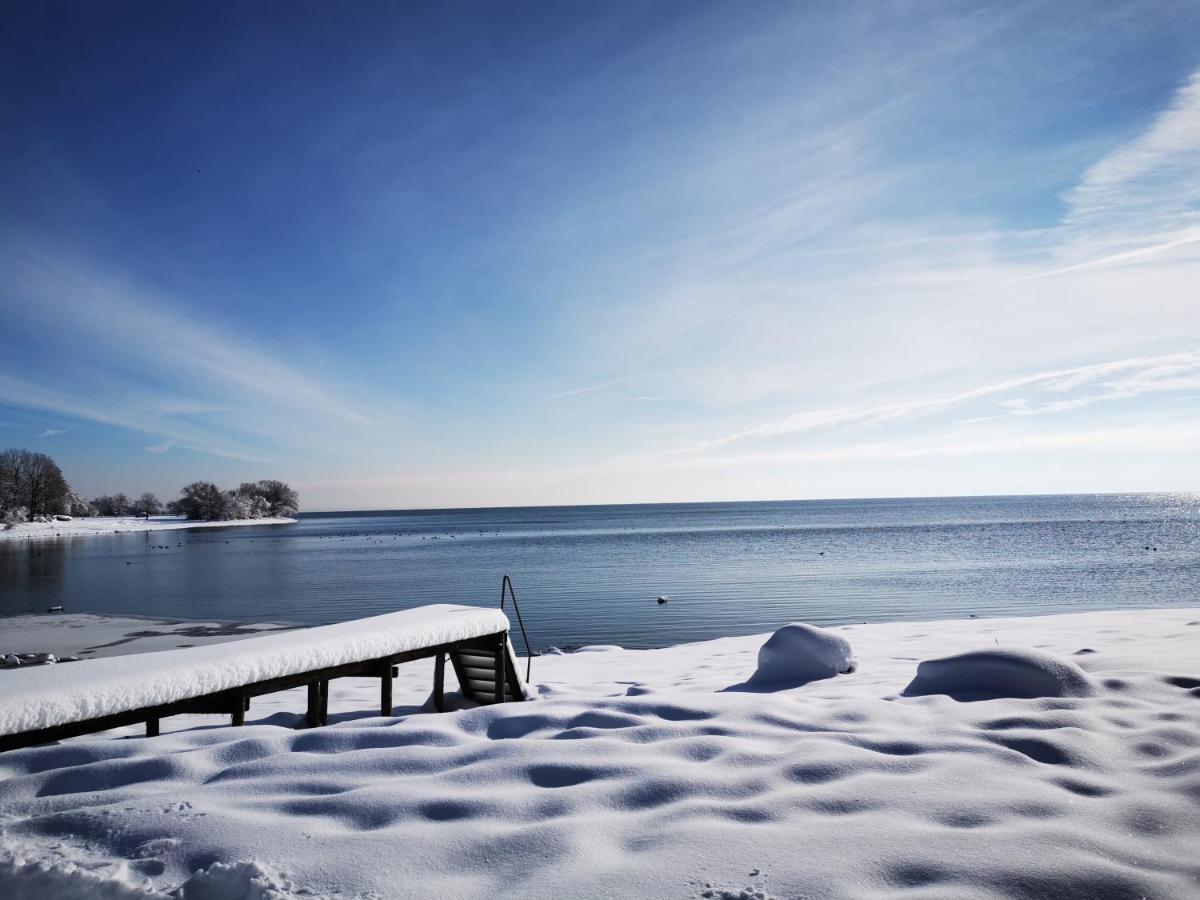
97 635
94 525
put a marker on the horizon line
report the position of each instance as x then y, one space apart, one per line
384 509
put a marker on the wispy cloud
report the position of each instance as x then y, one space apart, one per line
1142 438
24 393
593 388
164 447
219 389
51 432
1151 181
1114 380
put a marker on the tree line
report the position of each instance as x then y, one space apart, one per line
33 488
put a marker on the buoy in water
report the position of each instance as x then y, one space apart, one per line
662 599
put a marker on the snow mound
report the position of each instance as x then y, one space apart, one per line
1001 672
799 653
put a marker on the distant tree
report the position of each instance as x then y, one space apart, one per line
76 506
33 481
282 500
237 505
175 508
147 505
116 505
11 475
203 500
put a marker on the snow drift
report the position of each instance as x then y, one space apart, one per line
797 654
1002 672
635 775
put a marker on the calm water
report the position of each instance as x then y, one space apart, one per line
590 574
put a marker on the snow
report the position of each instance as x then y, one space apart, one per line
93 636
44 696
638 773
120 525
1002 672
799 653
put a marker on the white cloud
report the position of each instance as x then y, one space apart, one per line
1114 380
24 393
1143 439
593 388
1151 181
216 390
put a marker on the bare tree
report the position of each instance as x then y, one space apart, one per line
147 505
116 505
32 480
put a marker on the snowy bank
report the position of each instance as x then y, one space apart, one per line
121 525
637 773
91 636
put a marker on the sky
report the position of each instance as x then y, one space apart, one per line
480 254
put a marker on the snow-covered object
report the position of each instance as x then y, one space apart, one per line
44 696
635 775
1020 672
799 653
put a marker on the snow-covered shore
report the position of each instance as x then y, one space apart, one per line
662 773
91 636
121 525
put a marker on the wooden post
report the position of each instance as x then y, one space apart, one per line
385 690
439 681
501 658
239 711
152 728
312 716
323 711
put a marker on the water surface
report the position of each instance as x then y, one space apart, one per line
591 574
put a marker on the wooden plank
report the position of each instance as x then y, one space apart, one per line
238 716
323 709
312 716
385 691
501 658
152 728
477 661
459 674
439 682
479 671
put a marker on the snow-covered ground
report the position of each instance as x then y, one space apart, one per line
666 773
120 525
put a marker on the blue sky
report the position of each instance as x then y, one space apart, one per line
481 254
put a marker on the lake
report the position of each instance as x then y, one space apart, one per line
592 574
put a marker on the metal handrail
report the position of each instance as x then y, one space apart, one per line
506 584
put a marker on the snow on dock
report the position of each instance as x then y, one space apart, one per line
49 696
